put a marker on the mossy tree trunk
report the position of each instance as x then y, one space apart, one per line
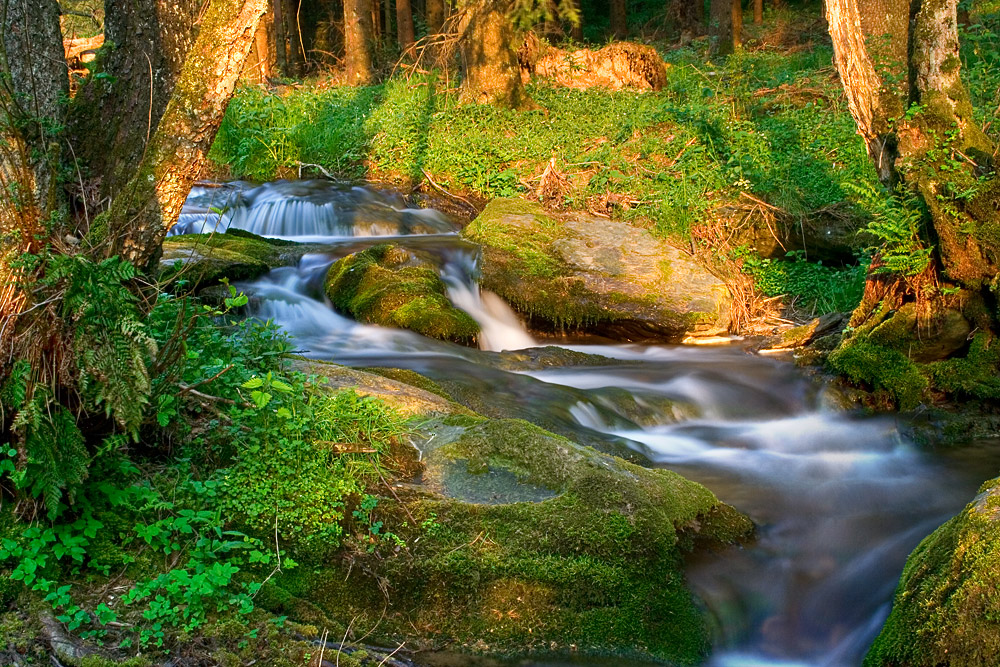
916 119
491 71
358 36
113 117
150 204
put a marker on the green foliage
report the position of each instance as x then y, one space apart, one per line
810 285
111 344
898 222
678 152
291 476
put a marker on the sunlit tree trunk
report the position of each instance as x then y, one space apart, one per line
358 33
491 71
758 12
736 11
149 205
917 122
435 16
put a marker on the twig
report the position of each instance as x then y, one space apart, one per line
314 166
187 388
445 192
379 471
386 658
322 647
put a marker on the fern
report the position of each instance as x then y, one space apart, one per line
53 457
897 224
111 342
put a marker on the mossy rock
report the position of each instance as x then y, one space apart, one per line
579 271
205 259
394 287
531 544
947 608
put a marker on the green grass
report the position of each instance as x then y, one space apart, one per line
713 131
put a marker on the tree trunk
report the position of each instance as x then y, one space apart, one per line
736 10
32 50
142 214
758 12
576 30
492 74
112 119
435 16
619 19
358 41
404 26
917 122
721 26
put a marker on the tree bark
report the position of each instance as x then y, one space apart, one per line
920 131
721 26
33 54
404 26
435 16
142 214
491 71
619 19
112 118
736 9
576 30
758 12
358 41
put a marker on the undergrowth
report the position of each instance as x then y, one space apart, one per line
229 471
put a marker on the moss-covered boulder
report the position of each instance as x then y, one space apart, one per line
581 271
394 287
947 606
205 259
522 542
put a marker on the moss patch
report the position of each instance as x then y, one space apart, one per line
204 259
595 568
390 286
946 610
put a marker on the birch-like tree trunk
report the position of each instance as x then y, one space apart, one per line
150 204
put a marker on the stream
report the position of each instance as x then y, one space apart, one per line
839 499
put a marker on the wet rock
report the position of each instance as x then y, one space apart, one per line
608 277
203 260
392 286
946 610
407 397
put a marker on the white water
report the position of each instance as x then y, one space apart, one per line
839 500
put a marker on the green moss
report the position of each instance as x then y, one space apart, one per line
882 368
204 259
946 610
595 569
387 285
411 378
977 375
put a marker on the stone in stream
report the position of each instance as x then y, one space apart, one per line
395 287
947 609
580 271
204 260
518 542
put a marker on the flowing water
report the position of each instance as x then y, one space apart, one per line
840 500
